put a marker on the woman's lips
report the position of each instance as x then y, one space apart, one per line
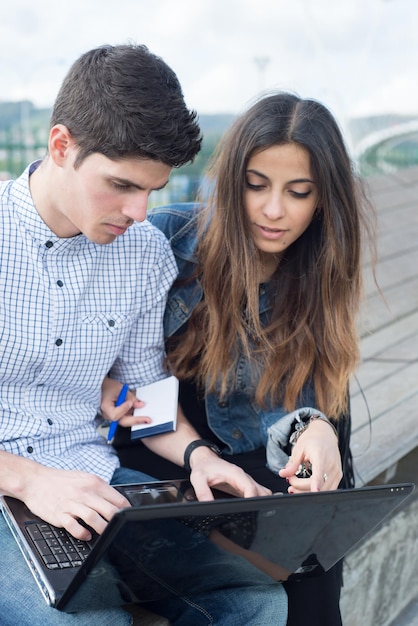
270 233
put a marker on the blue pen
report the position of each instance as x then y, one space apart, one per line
113 425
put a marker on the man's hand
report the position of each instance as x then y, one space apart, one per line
318 445
208 470
123 414
64 498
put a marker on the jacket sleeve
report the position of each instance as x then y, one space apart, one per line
176 221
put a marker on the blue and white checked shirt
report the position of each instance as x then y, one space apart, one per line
72 311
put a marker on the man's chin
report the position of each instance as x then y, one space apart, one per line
103 240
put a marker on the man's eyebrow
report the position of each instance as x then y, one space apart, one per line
130 183
162 186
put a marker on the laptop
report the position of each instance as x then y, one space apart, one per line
295 536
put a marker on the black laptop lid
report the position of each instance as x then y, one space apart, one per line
297 536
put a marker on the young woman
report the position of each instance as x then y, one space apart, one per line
261 321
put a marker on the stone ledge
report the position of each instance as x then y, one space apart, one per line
381 574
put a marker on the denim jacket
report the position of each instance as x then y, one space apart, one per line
236 420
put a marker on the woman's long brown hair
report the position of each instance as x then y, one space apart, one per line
312 335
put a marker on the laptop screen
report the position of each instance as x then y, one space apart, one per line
289 537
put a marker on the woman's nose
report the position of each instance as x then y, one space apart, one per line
274 207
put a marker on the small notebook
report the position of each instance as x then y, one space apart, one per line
161 401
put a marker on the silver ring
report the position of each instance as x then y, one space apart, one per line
325 478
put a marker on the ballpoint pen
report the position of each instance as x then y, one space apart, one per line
113 425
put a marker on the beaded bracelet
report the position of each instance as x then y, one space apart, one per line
303 425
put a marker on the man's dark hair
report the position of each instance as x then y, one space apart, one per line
123 101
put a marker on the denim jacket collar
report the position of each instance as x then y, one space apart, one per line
179 222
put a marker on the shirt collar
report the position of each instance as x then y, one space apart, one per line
29 217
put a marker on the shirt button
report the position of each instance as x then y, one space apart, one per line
58 342
49 420
60 283
223 404
29 449
49 244
236 434
111 322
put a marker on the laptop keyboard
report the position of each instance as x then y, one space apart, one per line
57 548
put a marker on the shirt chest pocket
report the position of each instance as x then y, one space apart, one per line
109 330
112 323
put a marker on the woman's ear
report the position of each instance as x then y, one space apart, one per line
60 144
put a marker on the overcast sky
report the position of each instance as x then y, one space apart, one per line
360 57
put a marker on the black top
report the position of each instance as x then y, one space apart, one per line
137 456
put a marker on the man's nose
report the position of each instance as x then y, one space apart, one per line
136 208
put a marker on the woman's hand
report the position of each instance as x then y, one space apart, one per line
210 471
123 414
318 446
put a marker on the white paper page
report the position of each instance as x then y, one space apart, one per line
161 400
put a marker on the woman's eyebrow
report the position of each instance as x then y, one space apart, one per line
302 180
296 180
257 173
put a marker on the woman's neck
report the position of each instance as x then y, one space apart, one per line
268 265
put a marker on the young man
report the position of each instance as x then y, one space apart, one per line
84 281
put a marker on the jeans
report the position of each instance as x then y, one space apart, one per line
221 589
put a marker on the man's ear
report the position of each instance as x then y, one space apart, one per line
60 144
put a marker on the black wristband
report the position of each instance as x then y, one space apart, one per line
196 444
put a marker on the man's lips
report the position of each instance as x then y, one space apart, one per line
118 230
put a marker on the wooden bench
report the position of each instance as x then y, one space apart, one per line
384 409
384 394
